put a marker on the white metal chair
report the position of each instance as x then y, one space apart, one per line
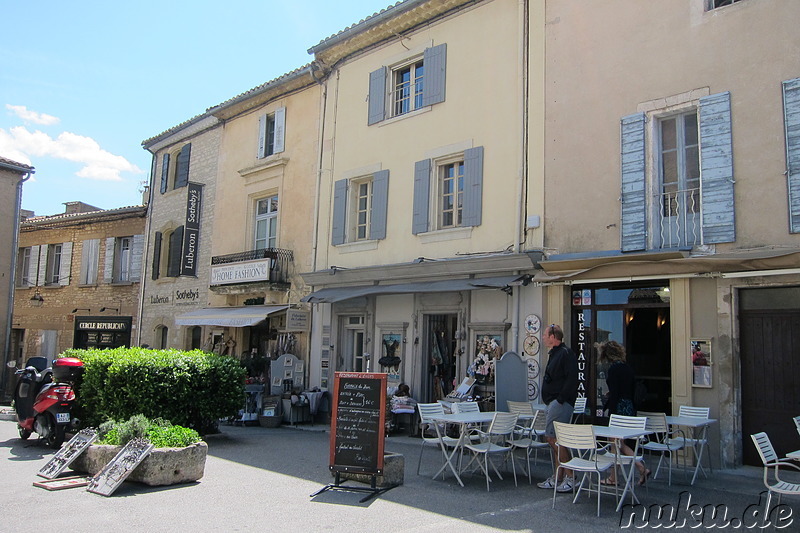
698 443
664 441
466 407
579 410
428 431
525 415
797 423
627 422
771 461
525 438
493 441
580 441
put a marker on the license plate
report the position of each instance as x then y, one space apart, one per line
62 418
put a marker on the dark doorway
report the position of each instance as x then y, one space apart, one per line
438 356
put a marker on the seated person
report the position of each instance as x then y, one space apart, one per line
402 403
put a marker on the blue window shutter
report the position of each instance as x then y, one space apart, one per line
280 130
338 228
377 96
422 193
634 200
716 169
261 153
791 119
182 171
164 173
380 204
434 61
473 187
156 255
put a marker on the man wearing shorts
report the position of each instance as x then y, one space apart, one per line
559 390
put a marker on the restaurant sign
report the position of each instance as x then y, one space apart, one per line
242 272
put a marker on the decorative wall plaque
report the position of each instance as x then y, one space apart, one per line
114 473
68 453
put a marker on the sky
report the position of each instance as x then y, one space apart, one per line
83 83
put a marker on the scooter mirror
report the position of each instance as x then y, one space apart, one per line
11 364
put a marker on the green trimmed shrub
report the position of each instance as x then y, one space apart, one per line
158 431
192 389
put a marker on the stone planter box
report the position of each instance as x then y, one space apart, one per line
164 466
394 465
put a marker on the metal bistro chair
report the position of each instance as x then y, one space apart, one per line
468 407
524 410
797 423
700 442
664 440
493 441
426 425
580 441
525 437
579 410
628 422
771 461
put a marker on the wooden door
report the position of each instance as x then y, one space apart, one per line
770 365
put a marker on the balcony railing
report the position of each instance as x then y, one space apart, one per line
679 218
280 260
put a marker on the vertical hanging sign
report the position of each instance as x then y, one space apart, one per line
191 234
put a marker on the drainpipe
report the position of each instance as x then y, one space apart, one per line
146 269
12 284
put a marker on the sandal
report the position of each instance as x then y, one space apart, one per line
608 482
643 477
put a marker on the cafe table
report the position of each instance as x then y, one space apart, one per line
463 420
699 434
794 455
612 433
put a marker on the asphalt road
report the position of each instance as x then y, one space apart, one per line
259 479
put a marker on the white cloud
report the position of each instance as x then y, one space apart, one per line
20 144
32 116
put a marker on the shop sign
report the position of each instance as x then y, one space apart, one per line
158 299
191 233
581 353
242 272
297 320
103 326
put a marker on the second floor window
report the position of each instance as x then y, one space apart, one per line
122 259
266 223
53 271
679 169
451 194
362 201
24 268
408 85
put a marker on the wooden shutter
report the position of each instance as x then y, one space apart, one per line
338 226
156 255
41 276
716 169
175 253
263 122
182 170
280 131
164 173
65 268
33 266
634 201
137 248
435 62
791 122
473 187
108 261
422 193
377 96
380 204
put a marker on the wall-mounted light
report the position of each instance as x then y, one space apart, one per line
81 309
37 298
109 309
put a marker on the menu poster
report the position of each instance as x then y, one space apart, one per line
359 413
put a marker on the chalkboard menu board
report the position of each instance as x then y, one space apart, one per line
359 413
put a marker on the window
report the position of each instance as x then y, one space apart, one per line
457 191
271 130
53 271
24 268
407 86
692 200
266 227
123 260
354 342
175 168
714 4
162 337
167 253
90 255
360 207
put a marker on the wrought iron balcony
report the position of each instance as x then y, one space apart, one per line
280 260
679 223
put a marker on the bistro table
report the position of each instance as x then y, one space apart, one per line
619 433
794 455
463 420
699 433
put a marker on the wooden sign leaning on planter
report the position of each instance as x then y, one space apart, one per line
68 453
114 473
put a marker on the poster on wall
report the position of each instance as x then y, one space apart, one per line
700 353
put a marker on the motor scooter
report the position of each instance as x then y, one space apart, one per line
44 397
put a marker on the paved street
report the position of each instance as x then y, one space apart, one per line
259 479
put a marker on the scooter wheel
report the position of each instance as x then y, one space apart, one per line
24 433
55 432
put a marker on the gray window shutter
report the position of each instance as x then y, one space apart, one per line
175 253
716 169
380 204
33 266
156 255
377 96
634 201
66 264
182 171
108 261
136 257
263 120
791 120
338 227
41 276
473 187
422 194
164 173
435 62
280 130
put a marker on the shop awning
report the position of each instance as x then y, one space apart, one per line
235 317
337 294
